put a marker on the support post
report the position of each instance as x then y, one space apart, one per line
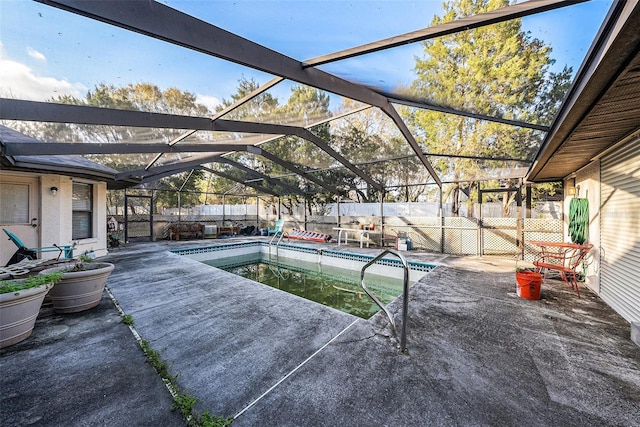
126 217
480 233
519 223
224 197
151 218
305 211
179 208
441 214
528 200
382 194
258 213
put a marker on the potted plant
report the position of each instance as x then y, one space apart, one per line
529 284
81 285
20 302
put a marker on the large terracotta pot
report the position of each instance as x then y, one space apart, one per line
79 290
18 313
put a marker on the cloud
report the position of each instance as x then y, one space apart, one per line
211 102
18 81
35 54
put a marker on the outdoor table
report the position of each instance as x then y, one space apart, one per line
364 234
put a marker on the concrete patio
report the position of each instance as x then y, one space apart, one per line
477 354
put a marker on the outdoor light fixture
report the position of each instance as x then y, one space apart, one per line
54 190
573 189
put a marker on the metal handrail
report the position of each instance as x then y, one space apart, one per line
405 294
280 235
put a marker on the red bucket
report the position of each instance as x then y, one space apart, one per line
529 284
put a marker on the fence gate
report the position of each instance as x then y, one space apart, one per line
138 217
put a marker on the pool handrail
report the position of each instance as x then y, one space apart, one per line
405 294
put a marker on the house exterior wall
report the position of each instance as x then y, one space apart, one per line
620 237
611 184
54 215
587 185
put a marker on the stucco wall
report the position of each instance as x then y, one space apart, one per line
54 216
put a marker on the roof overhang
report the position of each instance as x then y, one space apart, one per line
603 106
69 165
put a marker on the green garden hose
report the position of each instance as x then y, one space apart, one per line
578 220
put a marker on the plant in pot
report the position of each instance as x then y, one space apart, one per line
81 285
20 302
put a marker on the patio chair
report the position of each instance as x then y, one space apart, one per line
277 229
32 253
565 258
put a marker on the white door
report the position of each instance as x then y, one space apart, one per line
19 211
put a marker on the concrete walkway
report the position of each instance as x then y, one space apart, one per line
477 354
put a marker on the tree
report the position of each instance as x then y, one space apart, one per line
371 141
138 97
187 184
497 70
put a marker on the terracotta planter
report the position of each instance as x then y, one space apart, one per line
18 313
79 290
529 284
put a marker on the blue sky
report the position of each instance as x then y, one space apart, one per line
45 51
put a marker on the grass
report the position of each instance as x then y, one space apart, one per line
127 319
182 402
153 357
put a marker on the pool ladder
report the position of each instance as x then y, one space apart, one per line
279 235
405 295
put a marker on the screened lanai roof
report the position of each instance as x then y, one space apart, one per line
332 67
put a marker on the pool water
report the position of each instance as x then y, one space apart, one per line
330 286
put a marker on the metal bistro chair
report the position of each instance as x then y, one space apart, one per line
31 253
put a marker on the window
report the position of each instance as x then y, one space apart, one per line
82 207
14 203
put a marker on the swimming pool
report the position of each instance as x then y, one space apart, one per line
330 286
322 275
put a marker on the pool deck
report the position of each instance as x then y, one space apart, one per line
477 354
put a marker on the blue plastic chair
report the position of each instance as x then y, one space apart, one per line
277 229
68 249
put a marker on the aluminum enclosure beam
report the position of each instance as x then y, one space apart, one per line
150 178
467 23
16 109
62 148
165 170
192 163
397 99
261 176
164 23
11 109
234 179
293 168
391 112
224 111
66 148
